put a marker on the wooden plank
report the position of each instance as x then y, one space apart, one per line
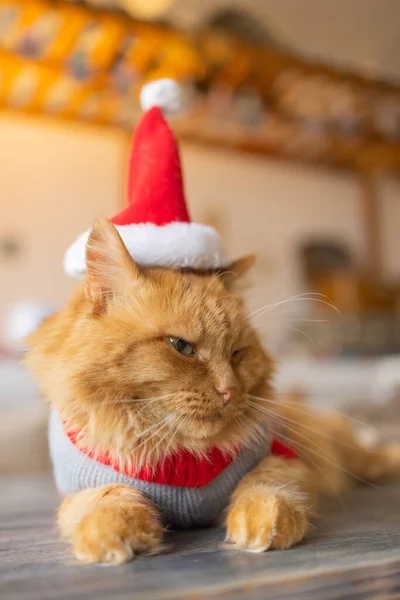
353 553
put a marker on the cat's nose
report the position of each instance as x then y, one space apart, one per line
227 393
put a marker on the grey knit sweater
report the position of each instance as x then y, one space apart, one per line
181 506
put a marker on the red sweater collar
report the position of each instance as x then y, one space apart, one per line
182 469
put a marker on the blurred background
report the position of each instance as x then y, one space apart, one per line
291 149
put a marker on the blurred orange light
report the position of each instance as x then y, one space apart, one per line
146 9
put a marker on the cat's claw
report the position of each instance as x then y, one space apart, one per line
109 535
262 519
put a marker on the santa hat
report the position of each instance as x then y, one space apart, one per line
155 224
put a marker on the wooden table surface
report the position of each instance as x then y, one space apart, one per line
353 553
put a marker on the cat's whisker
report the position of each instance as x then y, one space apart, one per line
171 417
284 312
306 297
161 423
146 405
296 406
185 420
136 400
299 331
302 408
285 298
214 278
166 397
317 447
256 430
308 458
174 422
277 318
295 320
310 321
307 428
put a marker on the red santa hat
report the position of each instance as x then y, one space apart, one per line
155 224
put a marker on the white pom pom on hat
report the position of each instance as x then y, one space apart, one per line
155 224
164 93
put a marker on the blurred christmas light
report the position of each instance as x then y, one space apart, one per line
146 9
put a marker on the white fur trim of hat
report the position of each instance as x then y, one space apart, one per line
175 246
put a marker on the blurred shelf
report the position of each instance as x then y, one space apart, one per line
74 62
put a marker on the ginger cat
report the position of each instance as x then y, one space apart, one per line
146 365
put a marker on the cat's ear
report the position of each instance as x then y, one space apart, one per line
109 267
238 269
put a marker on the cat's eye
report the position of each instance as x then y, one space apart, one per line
182 346
237 354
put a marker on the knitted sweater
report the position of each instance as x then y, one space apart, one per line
184 500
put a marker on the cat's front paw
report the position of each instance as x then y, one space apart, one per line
116 534
263 519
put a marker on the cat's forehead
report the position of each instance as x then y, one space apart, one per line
202 309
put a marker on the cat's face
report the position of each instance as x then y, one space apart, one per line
184 340
169 355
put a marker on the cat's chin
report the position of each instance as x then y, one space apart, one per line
202 430
206 430
201 434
